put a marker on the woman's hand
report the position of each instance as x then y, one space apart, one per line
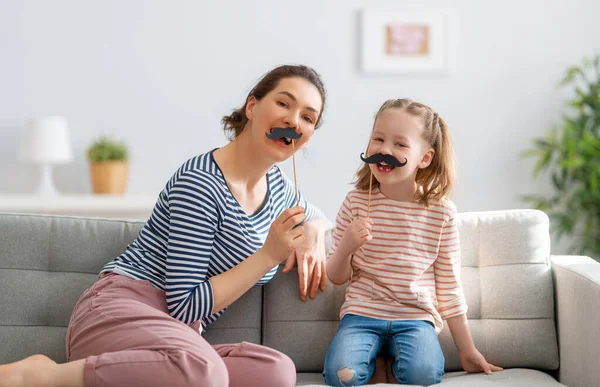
311 259
473 361
283 236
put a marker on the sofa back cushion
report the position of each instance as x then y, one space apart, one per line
46 262
507 282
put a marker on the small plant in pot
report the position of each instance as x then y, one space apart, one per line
108 166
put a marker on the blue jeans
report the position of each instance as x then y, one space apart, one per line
413 344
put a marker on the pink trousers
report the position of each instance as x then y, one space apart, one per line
121 327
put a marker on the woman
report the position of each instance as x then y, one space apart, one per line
223 223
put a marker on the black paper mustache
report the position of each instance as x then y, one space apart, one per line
278 133
379 158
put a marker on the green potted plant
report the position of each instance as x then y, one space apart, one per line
570 152
108 166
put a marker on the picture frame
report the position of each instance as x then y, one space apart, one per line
406 41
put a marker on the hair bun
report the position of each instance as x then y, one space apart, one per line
236 116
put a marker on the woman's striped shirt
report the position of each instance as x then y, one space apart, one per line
198 230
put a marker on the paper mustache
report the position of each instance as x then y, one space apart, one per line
286 133
379 158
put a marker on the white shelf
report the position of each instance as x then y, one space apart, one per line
106 206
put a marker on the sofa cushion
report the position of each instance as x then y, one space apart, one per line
508 378
301 330
240 322
46 262
507 282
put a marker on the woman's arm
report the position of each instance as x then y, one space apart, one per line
193 220
282 239
310 257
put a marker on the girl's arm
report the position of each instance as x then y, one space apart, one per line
470 358
339 269
459 329
349 235
451 300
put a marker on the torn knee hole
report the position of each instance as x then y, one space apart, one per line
346 374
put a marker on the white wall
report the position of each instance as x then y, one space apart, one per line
160 74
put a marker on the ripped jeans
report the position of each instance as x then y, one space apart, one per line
412 344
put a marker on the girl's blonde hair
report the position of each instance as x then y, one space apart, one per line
436 180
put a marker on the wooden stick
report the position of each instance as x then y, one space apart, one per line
294 164
370 185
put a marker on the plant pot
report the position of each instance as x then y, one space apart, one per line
109 177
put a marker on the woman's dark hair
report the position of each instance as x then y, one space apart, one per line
234 123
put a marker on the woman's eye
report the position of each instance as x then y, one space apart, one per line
378 139
399 144
308 119
282 104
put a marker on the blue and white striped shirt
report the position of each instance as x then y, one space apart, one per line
198 230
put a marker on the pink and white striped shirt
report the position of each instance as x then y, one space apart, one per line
410 270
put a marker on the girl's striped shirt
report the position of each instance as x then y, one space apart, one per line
410 270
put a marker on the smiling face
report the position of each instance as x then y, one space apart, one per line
400 135
294 103
411 131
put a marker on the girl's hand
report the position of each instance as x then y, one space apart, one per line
473 361
357 234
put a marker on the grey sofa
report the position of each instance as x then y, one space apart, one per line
535 315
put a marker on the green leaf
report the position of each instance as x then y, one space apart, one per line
558 182
570 75
573 163
529 153
594 183
541 163
585 62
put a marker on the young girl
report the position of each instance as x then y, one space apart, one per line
399 248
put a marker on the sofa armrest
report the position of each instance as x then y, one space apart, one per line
577 292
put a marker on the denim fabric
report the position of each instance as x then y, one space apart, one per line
413 344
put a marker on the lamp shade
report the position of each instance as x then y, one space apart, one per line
46 140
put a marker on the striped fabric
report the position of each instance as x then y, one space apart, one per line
198 230
410 270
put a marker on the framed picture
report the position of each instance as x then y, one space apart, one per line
405 42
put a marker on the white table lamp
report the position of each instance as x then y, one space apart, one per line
46 141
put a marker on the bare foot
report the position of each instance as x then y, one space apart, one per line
29 372
389 362
379 376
